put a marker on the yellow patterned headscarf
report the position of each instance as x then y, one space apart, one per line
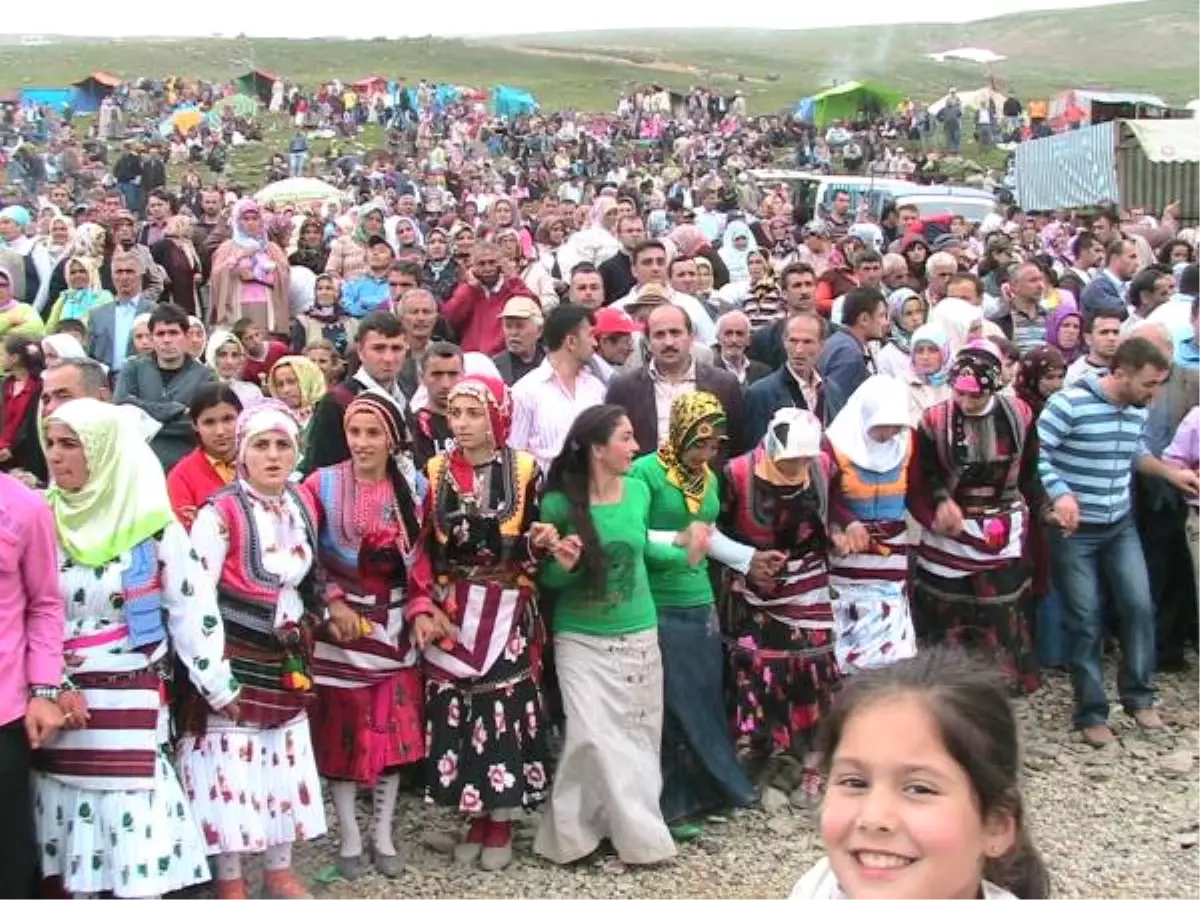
694 417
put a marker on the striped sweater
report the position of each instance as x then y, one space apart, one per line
1088 446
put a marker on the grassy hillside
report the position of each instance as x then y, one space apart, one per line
1138 46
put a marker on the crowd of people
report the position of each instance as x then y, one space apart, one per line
598 484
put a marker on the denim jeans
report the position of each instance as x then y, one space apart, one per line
1080 560
1051 630
296 162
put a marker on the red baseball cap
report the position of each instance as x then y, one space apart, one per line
610 320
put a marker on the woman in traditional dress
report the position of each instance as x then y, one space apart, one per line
778 628
701 772
348 254
928 377
607 782
970 474
473 608
252 778
369 715
324 320
907 311
110 813
16 317
869 444
250 275
211 466
299 383
177 256
1041 374
226 356
83 294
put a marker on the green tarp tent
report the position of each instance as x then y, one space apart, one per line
256 83
845 101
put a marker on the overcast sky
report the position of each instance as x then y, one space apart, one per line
272 18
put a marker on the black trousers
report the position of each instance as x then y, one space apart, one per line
1161 522
18 844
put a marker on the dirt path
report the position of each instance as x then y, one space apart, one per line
659 65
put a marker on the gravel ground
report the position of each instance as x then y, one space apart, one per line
1119 822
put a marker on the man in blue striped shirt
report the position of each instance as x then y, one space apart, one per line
1090 438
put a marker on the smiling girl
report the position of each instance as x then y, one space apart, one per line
922 795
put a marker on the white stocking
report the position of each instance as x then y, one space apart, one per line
229 866
344 795
386 790
278 858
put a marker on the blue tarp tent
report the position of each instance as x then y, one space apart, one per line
508 102
804 110
91 90
56 98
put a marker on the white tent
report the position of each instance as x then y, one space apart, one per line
967 54
971 100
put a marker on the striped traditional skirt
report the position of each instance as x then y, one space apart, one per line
972 594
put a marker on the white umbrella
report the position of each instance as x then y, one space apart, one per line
297 190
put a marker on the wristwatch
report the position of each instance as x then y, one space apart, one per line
44 692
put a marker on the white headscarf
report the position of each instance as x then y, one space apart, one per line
880 400
956 318
64 346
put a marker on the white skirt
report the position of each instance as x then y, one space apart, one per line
252 788
132 843
608 781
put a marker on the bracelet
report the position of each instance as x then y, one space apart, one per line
44 692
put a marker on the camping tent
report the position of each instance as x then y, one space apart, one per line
91 90
372 84
845 101
971 100
257 83
508 102
55 98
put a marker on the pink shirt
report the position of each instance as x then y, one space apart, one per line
32 612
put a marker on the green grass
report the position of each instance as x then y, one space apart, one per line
1149 46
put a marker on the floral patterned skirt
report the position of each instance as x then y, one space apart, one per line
984 614
781 683
252 788
360 732
485 740
132 843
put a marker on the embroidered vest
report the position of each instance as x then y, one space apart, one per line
512 520
741 474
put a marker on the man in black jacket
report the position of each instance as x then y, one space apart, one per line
617 271
379 345
796 382
648 392
799 283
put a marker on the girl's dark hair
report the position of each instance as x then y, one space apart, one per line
970 705
28 352
209 395
570 475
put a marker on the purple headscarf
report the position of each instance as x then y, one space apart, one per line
1054 322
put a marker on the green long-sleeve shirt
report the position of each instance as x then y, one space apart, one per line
625 605
675 583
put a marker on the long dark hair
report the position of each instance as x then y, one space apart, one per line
570 474
27 352
970 705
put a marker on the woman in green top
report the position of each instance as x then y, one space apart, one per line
700 770
606 648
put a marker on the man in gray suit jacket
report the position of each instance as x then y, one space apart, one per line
1109 290
110 325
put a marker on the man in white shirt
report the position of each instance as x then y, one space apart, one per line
649 260
1102 335
547 400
